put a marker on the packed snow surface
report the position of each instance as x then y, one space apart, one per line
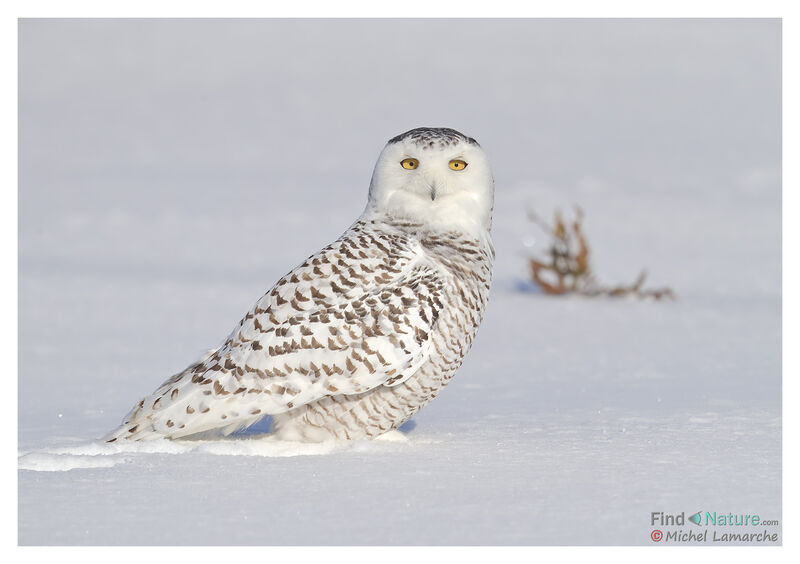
171 171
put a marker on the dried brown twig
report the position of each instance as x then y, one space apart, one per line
567 270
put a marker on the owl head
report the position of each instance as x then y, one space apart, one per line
434 175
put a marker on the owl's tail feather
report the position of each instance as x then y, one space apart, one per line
148 419
146 431
134 428
168 415
123 432
180 408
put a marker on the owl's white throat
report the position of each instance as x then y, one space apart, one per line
435 208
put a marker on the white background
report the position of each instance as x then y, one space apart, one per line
171 171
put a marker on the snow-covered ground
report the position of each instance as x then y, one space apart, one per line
171 171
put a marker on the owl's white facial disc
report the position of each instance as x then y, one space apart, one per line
437 176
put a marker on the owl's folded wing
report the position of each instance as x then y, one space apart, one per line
349 343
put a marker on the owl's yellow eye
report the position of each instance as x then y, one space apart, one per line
409 164
458 164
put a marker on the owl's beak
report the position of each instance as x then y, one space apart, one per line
433 191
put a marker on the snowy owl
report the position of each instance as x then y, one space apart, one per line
364 333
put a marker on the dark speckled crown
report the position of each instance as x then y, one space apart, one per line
430 136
